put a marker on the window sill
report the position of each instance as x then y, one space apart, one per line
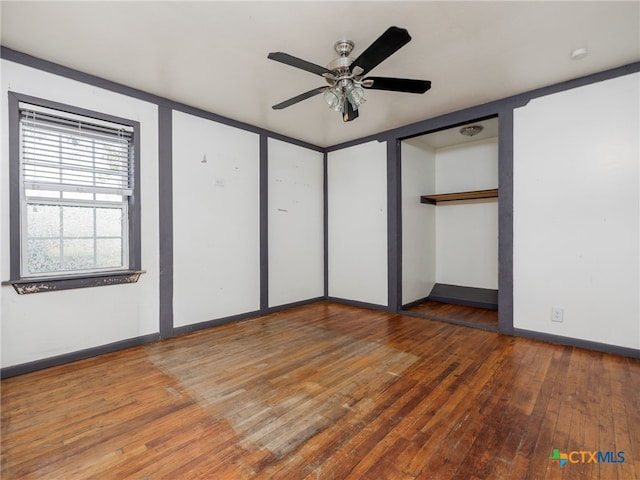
48 284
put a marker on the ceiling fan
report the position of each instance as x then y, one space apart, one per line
345 92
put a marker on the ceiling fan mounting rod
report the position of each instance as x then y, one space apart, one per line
343 47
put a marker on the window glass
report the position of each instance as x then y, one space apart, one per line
76 179
43 221
77 222
108 222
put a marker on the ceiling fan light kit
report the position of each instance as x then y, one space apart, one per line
344 75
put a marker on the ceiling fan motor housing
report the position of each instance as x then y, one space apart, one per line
340 66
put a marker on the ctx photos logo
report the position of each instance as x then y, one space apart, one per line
583 456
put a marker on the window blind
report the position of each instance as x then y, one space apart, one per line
65 154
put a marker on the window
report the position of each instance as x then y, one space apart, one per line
76 193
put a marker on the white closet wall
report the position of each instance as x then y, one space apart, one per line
453 243
418 221
467 231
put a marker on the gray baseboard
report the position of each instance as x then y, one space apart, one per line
300 303
214 323
415 303
454 321
469 296
355 303
29 367
576 342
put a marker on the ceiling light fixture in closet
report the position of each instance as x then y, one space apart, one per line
471 130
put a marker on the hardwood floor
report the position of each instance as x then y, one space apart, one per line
327 391
471 316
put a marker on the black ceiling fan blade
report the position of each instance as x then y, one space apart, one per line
407 85
299 98
387 44
349 113
298 63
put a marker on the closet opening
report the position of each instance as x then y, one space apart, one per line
450 224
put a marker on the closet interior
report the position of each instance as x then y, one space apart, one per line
450 224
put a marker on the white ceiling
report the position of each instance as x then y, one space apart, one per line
213 55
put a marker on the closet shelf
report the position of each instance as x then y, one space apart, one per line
450 197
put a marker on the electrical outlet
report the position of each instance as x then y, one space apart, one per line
557 315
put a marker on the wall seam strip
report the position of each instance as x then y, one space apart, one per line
505 221
325 173
165 219
394 228
264 224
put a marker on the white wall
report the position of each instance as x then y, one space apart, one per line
467 243
577 213
467 232
216 220
418 221
296 223
468 166
42 325
357 230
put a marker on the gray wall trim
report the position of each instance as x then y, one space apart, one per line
264 224
526 97
356 303
299 303
165 207
135 206
62 71
577 342
454 321
505 221
401 132
414 303
503 107
358 141
214 323
65 107
450 120
469 296
488 109
198 112
394 225
15 244
23 368
325 190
